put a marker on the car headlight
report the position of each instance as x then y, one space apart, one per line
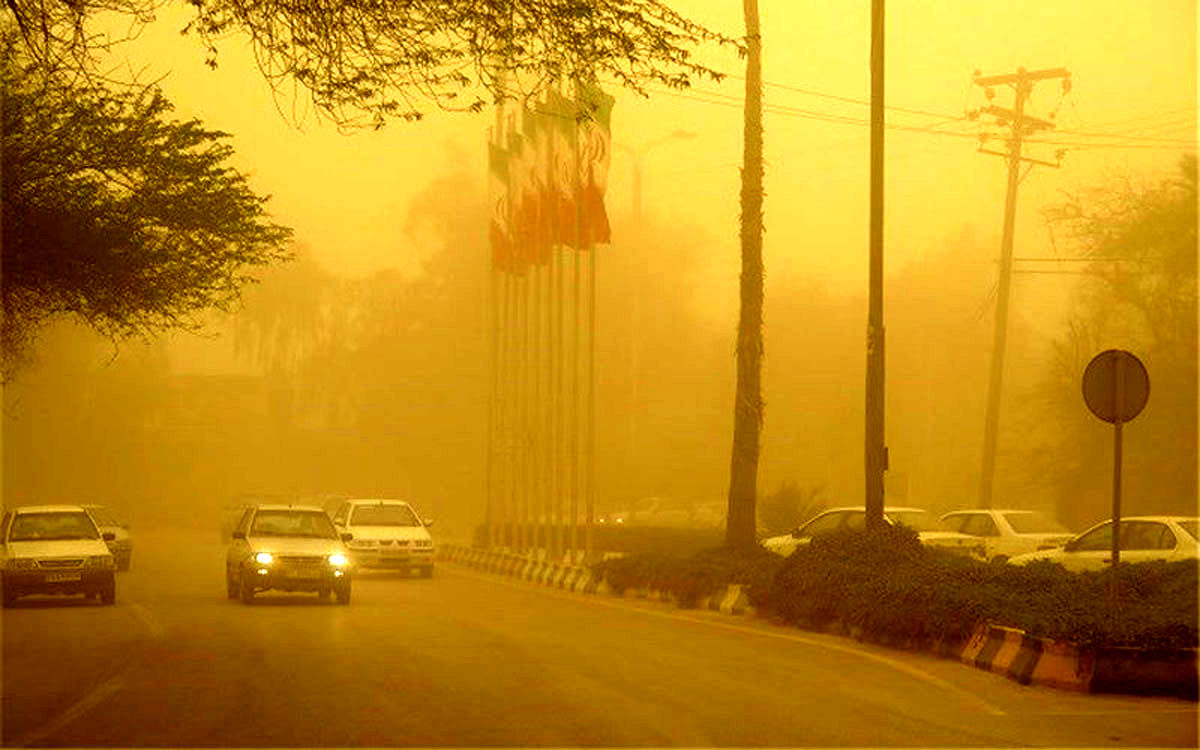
337 558
22 563
99 561
264 558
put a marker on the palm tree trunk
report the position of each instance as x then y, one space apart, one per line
748 406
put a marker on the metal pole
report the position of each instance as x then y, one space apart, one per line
876 450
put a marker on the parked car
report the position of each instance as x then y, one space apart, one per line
669 513
930 530
1143 538
1007 532
121 545
286 548
387 534
56 550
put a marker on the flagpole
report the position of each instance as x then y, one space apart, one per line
493 385
590 451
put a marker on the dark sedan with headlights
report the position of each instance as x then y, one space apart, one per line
286 548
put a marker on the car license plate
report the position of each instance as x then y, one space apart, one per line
54 577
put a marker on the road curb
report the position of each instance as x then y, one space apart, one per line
1002 650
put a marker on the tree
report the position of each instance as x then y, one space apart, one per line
114 213
1139 294
366 62
748 406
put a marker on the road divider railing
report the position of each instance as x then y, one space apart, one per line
1002 650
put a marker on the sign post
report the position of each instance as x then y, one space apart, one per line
1116 388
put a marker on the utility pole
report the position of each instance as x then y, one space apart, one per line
876 450
1020 125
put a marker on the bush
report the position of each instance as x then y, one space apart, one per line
689 579
888 586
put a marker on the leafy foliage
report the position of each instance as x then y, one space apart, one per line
788 506
689 579
885 586
889 587
366 62
116 214
1139 294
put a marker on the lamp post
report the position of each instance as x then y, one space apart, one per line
638 154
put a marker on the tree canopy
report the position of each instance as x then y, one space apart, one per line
367 61
115 213
1139 294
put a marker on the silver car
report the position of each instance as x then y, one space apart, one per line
286 548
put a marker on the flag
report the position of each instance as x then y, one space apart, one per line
500 225
595 151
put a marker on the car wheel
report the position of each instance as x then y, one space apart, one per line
999 560
246 590
343 594
125 563
9 599
323 594
231 587
108 594
427 572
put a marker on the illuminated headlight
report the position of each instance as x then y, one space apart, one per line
99 561
264 558
22 563
337 559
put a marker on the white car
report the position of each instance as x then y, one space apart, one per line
281 547
55 549
386 534
1007 533
1143 539
930 530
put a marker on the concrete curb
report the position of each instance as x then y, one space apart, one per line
994 648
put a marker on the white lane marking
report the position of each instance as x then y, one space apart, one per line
81 707
893 663
149 620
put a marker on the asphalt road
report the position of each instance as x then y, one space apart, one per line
466 659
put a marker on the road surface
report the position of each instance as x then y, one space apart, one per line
468 659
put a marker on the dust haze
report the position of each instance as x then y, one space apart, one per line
363 367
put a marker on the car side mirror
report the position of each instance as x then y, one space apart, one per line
347 536
239 535
108 536
428 521
1071 546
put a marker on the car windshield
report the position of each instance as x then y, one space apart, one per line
918 520
1034 523
52 525
103 517
1190 527
293 523
384 515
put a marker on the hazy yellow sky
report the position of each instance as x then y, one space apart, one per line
1133 67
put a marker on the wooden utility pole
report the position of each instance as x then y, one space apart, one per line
875 449
1020 125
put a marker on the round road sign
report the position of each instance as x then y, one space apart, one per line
1115 386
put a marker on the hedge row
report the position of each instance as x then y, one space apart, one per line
887 585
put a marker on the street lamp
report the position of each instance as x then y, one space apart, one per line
639 158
